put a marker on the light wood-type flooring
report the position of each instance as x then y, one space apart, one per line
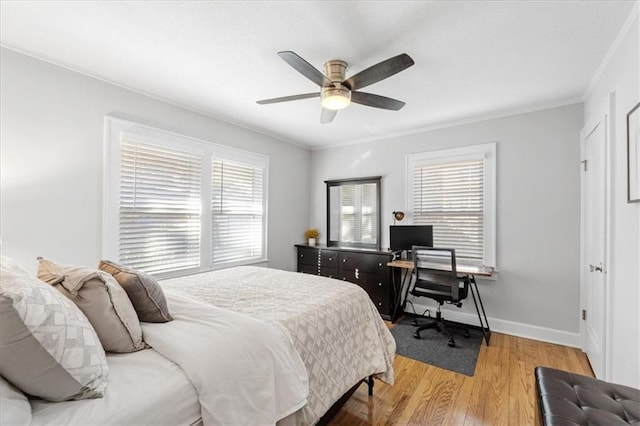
501 392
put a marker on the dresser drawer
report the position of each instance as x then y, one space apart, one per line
329 259
378 289
384 306
308 269
308 256
371 283
372 263
331 272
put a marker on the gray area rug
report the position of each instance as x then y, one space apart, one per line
433 349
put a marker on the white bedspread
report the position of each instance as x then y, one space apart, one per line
246 371
334 325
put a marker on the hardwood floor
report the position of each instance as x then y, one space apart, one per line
502 391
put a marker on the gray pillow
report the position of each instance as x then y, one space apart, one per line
143 290
48 348
101 299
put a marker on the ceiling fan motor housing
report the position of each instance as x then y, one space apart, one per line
335 70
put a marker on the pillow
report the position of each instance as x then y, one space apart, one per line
14 405
143 290
48 348
101 299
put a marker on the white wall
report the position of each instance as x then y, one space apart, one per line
52 162
536 292
621 76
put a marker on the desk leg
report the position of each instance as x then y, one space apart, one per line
399 303
486 331
396 292
407 276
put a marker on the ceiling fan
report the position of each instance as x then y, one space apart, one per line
337 92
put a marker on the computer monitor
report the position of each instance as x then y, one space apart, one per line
403 237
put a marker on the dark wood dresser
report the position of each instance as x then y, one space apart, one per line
366 268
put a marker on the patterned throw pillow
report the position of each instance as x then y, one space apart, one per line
48 348
143 290
101 299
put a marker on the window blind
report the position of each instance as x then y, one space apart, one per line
369 215
348 214
449 196
159 208
236 210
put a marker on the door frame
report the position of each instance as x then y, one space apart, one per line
603 114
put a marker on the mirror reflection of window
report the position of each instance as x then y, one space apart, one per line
354 212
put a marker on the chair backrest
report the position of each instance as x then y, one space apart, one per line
437 266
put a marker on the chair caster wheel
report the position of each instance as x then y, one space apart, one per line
452 343
416 335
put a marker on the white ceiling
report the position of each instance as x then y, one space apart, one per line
472 58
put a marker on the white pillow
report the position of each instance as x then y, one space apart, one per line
14 405
48 348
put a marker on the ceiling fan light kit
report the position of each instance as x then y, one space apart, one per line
336 98
336 92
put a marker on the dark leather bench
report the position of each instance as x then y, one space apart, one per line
571 399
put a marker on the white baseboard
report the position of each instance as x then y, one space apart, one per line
528 331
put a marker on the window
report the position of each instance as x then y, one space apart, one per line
454 190
236 210
353 212
177 205
159 211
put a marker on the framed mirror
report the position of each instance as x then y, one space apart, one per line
353 212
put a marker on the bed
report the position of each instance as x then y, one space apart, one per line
335 327
328 333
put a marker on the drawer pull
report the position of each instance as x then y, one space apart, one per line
379 284
344 260
302 255
357 274
344 279
379 303
380 264
330 259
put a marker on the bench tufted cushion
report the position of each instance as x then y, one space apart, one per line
572 399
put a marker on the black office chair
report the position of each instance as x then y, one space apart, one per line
435 277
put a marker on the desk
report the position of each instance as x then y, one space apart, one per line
469 270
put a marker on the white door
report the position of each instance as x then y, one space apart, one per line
594 294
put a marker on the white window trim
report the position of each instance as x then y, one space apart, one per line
486 151
114 129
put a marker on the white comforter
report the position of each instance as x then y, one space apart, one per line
334 325
246 371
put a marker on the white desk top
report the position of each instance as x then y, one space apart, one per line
485 271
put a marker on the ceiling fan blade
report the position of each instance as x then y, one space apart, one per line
327 115
379 71
376 101
305 68
288 98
